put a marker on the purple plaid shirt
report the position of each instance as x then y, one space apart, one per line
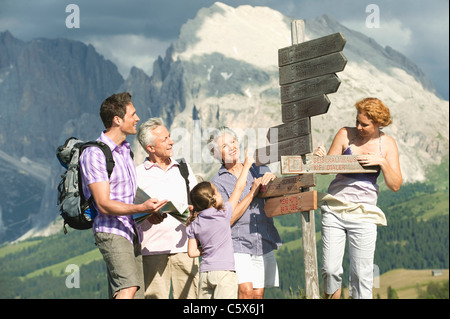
122 185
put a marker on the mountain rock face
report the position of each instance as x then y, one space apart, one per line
43 85
222 70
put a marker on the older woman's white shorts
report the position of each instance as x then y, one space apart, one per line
362 240
262 271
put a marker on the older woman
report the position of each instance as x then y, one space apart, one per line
253 233
350 209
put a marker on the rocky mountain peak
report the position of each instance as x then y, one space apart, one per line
236 33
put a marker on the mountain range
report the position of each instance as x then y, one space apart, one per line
222 70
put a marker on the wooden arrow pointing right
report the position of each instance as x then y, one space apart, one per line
313 106
290 130
299 71
311 49
294 146
324 84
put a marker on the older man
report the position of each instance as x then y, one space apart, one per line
164 247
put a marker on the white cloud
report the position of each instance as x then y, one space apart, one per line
8 23
128 50
392 33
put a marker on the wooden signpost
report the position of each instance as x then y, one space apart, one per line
307 74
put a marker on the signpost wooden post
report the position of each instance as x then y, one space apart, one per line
307 217
307 74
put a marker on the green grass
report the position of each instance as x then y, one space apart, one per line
14 248
59 268
426 206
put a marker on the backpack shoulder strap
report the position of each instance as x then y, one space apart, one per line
106 150
185 173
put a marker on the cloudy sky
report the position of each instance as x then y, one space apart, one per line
135 32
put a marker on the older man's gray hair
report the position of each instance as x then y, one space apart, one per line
144 133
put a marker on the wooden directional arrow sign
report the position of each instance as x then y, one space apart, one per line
272 153
331 63
311 49
290 130
313 106
330 164
287 185
289 204
308 88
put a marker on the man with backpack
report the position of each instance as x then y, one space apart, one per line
164 247
116 233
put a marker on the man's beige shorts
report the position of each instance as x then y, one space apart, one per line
123 263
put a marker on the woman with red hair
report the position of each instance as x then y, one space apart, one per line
349 209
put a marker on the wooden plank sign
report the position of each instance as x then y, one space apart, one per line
290 130
330 164
308 88
322 65
313 106
272 153
311 49
289 204
287 185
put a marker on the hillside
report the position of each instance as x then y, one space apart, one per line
35 268
407 282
